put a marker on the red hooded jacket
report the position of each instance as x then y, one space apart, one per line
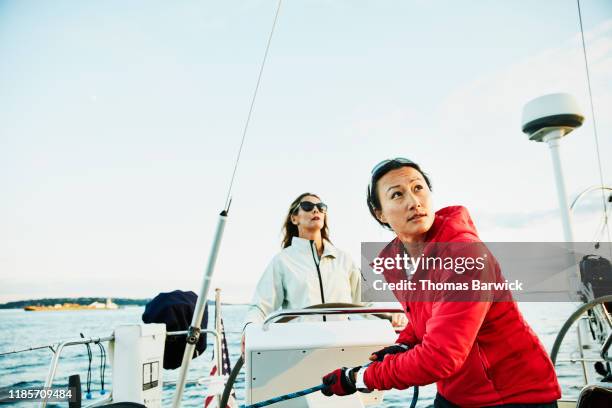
479 353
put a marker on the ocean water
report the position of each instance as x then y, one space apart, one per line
20 329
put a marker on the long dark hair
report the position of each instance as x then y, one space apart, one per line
290 230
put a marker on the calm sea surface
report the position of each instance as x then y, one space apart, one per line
20 329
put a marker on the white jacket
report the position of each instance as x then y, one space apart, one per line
291 280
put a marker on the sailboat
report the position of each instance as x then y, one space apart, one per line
138 349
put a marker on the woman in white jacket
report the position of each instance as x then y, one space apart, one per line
309 270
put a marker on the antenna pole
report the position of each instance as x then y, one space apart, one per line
554 143
193 333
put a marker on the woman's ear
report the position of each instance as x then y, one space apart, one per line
294 221
380 216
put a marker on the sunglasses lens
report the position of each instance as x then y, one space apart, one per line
307 206
383 163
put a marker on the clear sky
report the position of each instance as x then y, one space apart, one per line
120 122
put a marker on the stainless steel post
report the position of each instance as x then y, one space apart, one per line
193 331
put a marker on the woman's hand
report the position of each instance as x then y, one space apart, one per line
399 320
340 382
394 349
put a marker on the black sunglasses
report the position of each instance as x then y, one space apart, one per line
308 206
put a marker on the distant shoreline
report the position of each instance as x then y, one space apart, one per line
121 302
84 301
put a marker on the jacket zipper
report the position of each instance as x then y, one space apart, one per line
318 273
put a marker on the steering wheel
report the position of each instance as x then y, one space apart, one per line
574 317
286 319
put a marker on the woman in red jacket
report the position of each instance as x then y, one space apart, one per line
479 352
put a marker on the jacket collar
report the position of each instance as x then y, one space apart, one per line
450 224
304 244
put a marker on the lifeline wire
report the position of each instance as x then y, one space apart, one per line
50 346
586 64
246 125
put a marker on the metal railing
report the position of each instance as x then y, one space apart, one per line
58 351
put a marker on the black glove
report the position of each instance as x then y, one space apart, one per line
394 349
339 382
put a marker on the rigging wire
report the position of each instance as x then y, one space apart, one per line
601 178
228 199
601 225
